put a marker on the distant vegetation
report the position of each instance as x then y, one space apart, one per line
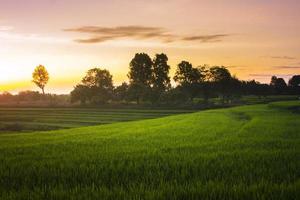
150 84
33 99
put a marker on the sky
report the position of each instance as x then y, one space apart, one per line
255 39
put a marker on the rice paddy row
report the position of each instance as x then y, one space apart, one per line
30 119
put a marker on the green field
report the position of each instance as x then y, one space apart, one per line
32 119
247 152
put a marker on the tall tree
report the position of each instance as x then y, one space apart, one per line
160 76
221 80
140 76
219 74
189 78
279 85
96 86
40 77
294 83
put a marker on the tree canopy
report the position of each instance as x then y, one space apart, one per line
40 77
140 76
96 87
149 82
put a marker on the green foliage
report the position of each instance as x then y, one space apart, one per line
248 152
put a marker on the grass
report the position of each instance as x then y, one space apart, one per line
247 152
33 119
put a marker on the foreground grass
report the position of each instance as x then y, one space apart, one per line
248 152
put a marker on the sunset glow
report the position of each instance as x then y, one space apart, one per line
254 39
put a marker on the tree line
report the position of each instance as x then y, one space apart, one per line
150 82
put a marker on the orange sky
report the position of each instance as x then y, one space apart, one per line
254 38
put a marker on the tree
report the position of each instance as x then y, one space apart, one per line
160 76
295 81
96 86
219 74
294 84
40 77
185 73
174 96
80 93
121 92
140 76
278 84
221 80
255 88
189 78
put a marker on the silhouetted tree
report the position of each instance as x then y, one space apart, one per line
279 85
205 88
189 78
160 76
255 88
97 86
221 80
235 88
80 93
149 81
140 76
121 92
174 96
294 83
40 77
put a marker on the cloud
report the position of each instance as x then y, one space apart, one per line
100 34
283 57
236 67
206 38
116 30
286 67
94 39
270 75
